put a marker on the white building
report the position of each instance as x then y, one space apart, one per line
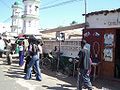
17 23
31 16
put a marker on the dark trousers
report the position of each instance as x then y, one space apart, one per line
9 59
28 58
84 79
1 54
21 58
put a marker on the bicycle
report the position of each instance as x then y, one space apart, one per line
46 62
69 66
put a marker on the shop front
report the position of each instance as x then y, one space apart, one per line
105 50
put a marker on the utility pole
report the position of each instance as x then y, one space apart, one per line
61 37
85 18
58 62
85 14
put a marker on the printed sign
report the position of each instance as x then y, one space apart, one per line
108 39
108 54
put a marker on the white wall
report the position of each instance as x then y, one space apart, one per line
16 19
69 48
31 27
31 20
30 8
110 20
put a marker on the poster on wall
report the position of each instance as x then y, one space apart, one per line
108 54
108 39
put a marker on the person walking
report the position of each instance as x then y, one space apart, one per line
84 66
34 62
8 51
27 58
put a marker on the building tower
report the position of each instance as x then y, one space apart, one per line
17 23
31 16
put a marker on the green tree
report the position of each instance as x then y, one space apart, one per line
73 23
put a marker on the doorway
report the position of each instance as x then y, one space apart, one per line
117 54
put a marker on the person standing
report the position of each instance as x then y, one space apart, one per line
21 53
8 52
40 50
26 44
54 60
27 58
84 66
33 62
2 46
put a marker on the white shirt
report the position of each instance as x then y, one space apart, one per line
21 48
2 44
40 49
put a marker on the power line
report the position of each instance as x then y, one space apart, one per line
58 4
7 20
50 2
4 3
51 6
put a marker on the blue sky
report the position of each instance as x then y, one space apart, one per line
62 15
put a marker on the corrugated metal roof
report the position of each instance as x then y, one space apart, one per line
102 11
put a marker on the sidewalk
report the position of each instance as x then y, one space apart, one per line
12 75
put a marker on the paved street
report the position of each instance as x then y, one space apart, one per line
11 78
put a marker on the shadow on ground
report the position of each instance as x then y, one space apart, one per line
106 84
101 84
69 79
14 71
61 87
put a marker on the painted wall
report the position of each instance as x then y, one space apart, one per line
69 48
109 20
